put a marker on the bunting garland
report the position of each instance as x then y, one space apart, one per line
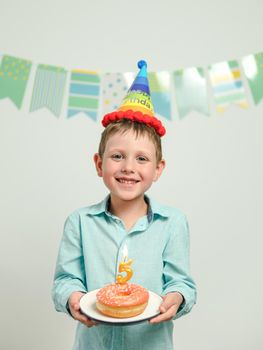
14 74
160 84
48 88
227 85
191 91
84 92
253 68
114 88
96 94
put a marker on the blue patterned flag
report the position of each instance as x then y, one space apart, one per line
14 74
114 89
191 91
48 88
84 93
227 85
160 86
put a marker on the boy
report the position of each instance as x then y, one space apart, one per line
129 161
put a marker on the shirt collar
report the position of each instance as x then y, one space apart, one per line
154 208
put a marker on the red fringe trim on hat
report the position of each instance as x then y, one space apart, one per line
134 116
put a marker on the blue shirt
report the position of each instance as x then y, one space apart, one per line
89 255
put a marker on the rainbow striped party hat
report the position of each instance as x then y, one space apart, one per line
137 104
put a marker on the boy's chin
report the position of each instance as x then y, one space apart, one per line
127 197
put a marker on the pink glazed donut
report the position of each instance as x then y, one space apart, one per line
122 300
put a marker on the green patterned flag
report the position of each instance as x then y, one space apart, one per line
160 86
14 74
191 91
48 88
253 69
84 93
227 85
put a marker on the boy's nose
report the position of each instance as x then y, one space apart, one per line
127 166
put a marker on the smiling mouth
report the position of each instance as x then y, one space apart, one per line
126 181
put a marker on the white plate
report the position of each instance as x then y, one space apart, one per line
88 307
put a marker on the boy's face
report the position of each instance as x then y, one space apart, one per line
129 165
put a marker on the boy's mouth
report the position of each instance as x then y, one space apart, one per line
127 181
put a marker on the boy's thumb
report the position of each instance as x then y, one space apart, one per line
163 306
76 306
166 304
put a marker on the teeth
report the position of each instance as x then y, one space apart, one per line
130 182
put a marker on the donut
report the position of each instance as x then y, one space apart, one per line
122 300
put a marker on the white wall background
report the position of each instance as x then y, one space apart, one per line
214 165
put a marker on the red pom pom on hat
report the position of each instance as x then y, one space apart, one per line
135 116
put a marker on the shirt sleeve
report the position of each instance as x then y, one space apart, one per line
177 268
69 273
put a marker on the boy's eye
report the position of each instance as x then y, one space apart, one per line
142 159
117 156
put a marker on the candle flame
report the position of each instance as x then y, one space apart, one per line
125 253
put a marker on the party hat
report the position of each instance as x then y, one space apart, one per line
137 105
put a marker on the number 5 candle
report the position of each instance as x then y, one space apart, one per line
124 267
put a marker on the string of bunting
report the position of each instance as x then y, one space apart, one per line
96 93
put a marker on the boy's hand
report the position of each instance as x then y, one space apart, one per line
168 308
74 308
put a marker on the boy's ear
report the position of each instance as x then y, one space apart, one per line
159 169
98 163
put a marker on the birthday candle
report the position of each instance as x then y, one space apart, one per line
124 266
